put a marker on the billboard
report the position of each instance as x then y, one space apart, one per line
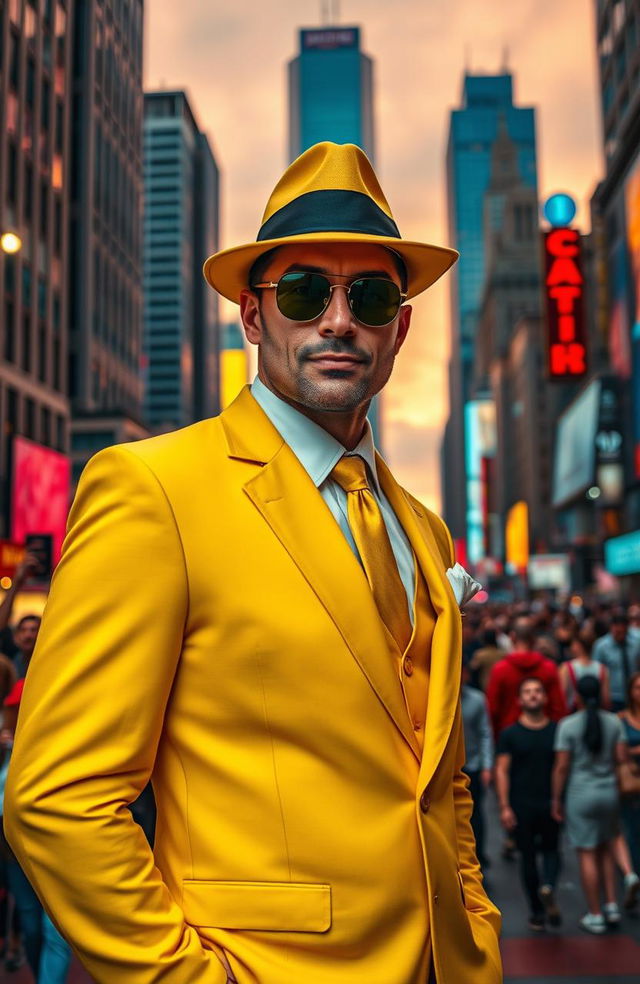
622 554
329 38
632 209
40 491
575 451
549 571
564 289
480 439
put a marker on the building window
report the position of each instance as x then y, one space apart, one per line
27 207
30 418
14 61
9 331
42 353
26 342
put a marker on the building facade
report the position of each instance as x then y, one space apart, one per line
330 91
35 101
487 103
105 282
181 346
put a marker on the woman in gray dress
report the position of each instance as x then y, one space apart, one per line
588 746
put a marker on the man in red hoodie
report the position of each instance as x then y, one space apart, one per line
509 672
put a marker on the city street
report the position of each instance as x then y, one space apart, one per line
553 957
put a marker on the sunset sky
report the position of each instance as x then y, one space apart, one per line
231 58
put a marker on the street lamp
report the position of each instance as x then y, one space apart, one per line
10 242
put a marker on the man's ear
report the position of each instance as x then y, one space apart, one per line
403 326
250 315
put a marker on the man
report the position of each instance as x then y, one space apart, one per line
478 743
253 613
619 651
508 673
524 765
8 644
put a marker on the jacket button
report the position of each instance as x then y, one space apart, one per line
435 899
425 802
408 665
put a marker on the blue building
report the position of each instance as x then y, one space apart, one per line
331 98
181 345
487 109
330 91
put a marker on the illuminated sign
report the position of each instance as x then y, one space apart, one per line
564 289
559 209
11 556
40 493
335 37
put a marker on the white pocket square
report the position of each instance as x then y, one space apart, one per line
464 586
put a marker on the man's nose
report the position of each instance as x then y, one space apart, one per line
338 318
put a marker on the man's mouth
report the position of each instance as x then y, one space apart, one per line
333 360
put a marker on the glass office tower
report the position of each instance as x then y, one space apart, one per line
330 91
487 102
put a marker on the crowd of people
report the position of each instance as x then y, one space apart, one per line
551 710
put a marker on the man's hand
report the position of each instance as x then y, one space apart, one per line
485 777
26 569
557 811
508 818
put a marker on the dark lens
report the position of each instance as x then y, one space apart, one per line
374 301
302 296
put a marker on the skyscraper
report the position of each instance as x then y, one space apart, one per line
180 231
331 98
35 98
105 283
486 101
330 91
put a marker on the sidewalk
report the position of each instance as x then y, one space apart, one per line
558 955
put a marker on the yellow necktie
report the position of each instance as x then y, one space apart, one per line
372 540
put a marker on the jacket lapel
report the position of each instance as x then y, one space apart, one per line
446 645
290 503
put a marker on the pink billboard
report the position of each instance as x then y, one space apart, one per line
40 491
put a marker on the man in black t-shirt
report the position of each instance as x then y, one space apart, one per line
523 783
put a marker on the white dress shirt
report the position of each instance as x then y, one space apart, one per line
318 452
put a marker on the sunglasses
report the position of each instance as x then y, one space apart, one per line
374 301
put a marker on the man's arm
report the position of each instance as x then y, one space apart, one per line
476 898
486 740
503 767
90 722
23 572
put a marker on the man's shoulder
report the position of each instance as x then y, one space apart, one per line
172 452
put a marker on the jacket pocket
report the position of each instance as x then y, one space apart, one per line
284 906
464 901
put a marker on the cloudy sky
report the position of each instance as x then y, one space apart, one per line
231 57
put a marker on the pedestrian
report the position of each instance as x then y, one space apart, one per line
588 745
485 657
478 743
524 764
630 718
582 664
620 652
254 613
47 953
503 688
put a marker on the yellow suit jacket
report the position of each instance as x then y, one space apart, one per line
209 626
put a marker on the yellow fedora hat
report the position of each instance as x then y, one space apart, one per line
330 194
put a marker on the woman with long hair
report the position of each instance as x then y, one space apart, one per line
581 664
589 744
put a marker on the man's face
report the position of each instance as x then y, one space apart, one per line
333 363
533 696
619 631
25 636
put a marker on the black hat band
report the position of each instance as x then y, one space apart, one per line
330 210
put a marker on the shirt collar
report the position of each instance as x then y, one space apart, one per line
317 451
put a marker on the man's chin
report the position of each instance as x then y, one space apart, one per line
333 396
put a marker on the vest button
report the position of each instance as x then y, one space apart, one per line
407 664
425 802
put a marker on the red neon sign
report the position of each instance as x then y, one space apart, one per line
565 289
